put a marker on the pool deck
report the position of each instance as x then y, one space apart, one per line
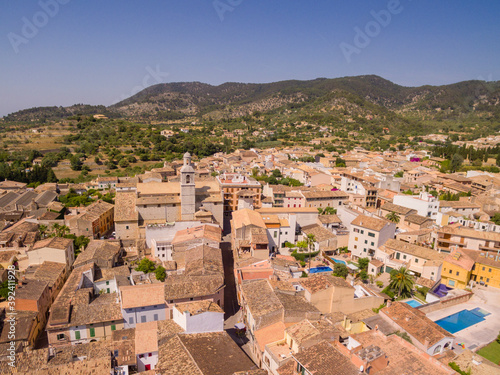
483 332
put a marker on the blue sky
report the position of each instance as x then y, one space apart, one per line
98 52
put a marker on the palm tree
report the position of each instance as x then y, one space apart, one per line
311 239
59 230
392 216
402 281
42 228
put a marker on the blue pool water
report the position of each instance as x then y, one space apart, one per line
413 303
338 261
462 319
320 269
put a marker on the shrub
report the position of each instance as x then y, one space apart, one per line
423 290
387 290
377 309
380 284
457 368
304 256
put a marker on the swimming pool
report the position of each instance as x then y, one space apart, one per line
413 303
338 261
462 319
320 269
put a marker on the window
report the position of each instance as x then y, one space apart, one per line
130 320
77 335
373 243
451 282
126 226
115 353
155 317
371 234
450 271
489 270
458 273
92 332
362 231
487 280
113 327
416 260
107 282
60 336
366 242
150 354
404 256
484 268
275 234
355 246
355 238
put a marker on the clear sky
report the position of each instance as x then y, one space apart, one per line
62 52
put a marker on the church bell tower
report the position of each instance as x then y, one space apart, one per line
188 193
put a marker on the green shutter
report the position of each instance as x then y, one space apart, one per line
113 327
92 332
77 335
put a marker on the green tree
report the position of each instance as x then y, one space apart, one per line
340 270
277 174
311 239
456 162
75 163
363 275
399 174
42 228
59 230
146 266
496 218
363 263
81 243
394 217
123 163
160 273
302 245
4 290
401 281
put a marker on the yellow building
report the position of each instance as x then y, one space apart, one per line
457 267
486 269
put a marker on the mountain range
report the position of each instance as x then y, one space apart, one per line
337 99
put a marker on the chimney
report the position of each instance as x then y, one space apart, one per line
389 302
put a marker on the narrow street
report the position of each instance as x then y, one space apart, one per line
232 311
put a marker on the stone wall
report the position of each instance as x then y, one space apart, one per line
442 304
